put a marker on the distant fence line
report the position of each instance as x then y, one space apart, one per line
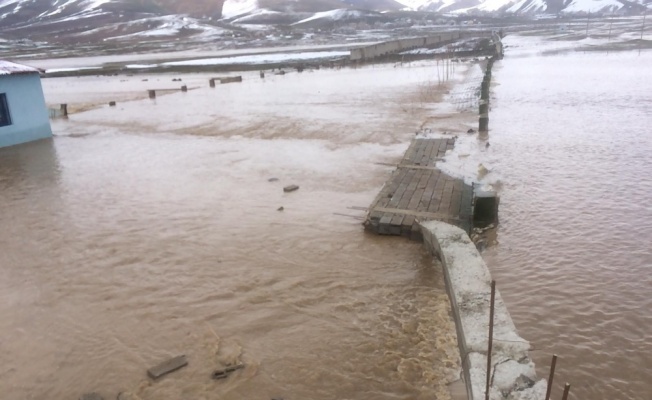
394 46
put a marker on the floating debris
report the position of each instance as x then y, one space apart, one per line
272 180
168 366
290 188
224 373
280 208
91 396
127 396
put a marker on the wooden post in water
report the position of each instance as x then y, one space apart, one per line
484 107
483 125
491 336
566 390
64 110
211 82
184 88
152 94
552 375
484 89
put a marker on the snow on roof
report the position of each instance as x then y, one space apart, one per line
9 68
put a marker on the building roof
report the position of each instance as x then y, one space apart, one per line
9 68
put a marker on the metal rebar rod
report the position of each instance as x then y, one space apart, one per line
491 336
566 390
552 375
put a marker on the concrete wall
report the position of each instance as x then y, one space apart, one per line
26 103
468 282
396 46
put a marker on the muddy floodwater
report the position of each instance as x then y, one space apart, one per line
151 229
571 143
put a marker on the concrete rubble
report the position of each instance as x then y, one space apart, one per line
468 282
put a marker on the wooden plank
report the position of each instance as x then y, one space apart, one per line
456 202
409 154
416 197
419 190
422 214
168 366
428 192
407 196
387 219
405 166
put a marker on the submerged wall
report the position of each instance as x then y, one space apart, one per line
26 104
468 282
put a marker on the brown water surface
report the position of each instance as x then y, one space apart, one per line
150 230
571 143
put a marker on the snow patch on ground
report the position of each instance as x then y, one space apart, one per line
416 4
260 58
140 66
93 4
168 26
233 8
469 158
253 15
53 70
334 15
538 5
592 6
494 5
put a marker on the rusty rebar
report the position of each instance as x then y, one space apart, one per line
566 390
552 375
491 336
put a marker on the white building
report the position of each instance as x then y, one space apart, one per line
23 114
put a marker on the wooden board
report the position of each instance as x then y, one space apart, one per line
166 367
417 191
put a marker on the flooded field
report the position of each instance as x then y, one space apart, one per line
570 143
151 229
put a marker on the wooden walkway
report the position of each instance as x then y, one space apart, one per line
418 191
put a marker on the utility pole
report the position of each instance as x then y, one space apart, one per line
642 30
588 18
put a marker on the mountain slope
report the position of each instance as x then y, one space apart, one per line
522 6
83 21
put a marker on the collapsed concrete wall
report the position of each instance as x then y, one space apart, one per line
468 282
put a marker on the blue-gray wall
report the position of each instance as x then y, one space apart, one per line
29 115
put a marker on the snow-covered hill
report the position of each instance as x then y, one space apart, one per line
74 21
521 6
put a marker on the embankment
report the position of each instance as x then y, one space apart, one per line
468 282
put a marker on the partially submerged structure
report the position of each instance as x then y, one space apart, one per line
23 114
